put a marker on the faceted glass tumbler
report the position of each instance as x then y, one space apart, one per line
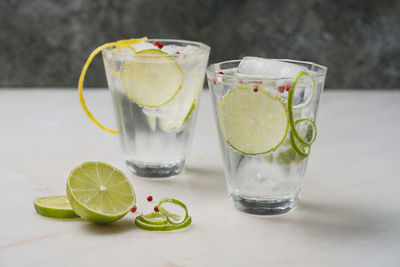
267 183
156 140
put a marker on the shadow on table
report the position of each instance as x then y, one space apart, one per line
210 180
339 220
120 226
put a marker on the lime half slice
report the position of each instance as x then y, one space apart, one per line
54 207
252 122
99 192
151 78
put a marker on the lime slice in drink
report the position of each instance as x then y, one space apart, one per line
252 122
99 192
155 218
54 207
176 114
151 78
175 117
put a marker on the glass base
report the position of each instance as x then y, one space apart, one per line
265 206
161 170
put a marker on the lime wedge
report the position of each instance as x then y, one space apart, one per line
54 207
99 192
252 122
151 78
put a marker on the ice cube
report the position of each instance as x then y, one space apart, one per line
173 49
268 68
143 46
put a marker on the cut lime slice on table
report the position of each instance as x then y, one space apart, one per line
57 207
99 192
151 78
252 122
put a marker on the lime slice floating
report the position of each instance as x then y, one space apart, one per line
151 78
99 192
54 207
252 122
175 115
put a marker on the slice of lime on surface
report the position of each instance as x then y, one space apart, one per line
151 78
54 207
99 192
252 122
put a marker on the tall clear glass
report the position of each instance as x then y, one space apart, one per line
265 183
156 140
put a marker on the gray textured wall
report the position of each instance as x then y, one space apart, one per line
45 42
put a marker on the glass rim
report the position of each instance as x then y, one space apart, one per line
203 48
213 70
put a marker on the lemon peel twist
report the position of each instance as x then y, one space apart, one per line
118 45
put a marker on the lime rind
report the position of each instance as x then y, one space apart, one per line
309 99
192 107
165 227
147 92
91 182
171 217
154 218
314 130
294 133
274 99
301 149
56 207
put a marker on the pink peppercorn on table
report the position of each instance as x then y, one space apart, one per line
349 214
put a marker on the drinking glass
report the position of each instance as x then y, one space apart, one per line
264 158
156 139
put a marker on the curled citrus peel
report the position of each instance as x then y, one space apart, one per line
164 220
299 143
118 45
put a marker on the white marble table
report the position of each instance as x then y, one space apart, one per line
349 213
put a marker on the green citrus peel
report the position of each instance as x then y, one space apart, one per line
301 144
164 220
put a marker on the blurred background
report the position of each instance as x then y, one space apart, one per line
44 43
